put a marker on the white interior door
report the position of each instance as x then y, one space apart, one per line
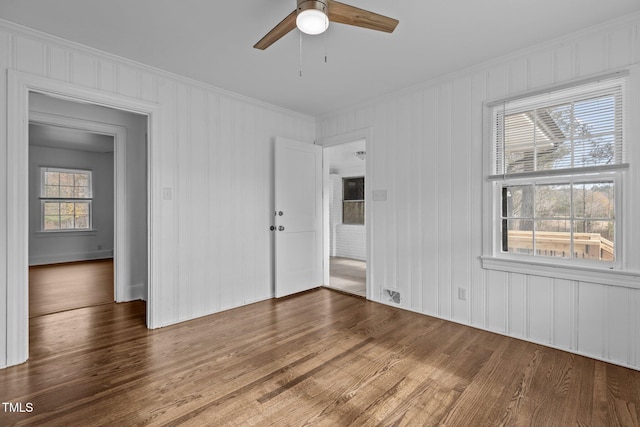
298 216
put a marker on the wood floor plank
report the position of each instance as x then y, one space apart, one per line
67 286
320 358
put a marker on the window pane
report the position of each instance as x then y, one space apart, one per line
51 191
67 208
81 193
52 208
81 180
52 178
353 188
519 202
66 179
353 212
51 222
596 114
594 151
519 236
553 238
82 221
82 208
66 192
66 222
594 240
518 136
594 200
553 201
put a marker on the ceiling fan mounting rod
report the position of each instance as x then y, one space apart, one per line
321 5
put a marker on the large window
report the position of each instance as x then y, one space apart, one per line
65 197
353 200
557 159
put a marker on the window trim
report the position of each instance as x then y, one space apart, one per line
626 272
43 200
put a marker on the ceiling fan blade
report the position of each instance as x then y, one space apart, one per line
286 25
350 15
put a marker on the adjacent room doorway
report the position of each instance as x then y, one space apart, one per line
345 190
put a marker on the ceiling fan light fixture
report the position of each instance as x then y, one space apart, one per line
312 17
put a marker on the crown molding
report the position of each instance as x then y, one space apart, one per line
158 72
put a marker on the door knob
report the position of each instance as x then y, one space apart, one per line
273 227
281 228
280 213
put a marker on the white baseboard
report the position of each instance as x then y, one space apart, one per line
69 257
134 292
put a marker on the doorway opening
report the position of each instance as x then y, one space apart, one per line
81 157
345 201
71 216
132 241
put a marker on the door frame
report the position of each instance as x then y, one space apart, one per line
19 86
344 138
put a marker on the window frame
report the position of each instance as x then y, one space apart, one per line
620 272
84 200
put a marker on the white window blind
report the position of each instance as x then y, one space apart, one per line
575 129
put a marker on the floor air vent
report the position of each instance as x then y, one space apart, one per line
391 295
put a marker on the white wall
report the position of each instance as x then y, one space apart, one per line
212 244
426 151
45 248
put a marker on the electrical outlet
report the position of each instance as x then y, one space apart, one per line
462 294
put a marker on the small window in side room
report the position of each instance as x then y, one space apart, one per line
353 200
65 198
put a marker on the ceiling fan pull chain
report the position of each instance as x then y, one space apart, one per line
325 46
300 56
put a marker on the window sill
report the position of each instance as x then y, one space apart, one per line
66 233
627 279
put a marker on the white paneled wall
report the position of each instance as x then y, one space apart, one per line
212 248
426 150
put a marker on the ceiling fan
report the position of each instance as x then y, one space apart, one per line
313 17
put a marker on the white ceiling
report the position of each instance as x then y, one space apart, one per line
342 158
69 139
212 41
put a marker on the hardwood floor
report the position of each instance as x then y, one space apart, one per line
60 287
348 275
318 358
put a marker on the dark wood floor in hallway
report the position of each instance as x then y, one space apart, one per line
318 358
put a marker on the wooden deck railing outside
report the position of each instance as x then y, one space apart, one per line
550 243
